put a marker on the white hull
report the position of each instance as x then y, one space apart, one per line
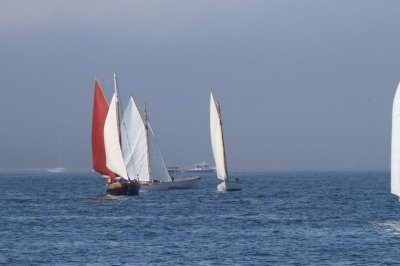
56 170
185 183
181 183
230 186
202 171
150 186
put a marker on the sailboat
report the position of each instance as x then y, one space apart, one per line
218 148
58 169
106 148
395 164
142 157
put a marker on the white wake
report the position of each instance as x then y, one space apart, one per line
391 227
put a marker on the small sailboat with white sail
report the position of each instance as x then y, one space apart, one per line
142 157
56 170
395 158
218 148
106 147
60 168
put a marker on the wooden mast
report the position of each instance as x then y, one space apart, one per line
146 127
118 114
223 141
117 101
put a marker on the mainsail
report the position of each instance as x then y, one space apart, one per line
395 165
114 160
141 154
217 141
100 110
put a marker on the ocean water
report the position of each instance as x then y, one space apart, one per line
318 218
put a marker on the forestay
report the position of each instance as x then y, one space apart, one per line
112 145
217 139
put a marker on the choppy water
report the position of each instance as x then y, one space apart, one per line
279 218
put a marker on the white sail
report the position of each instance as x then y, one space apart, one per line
217 141
395 165
134 147
133 141
158 169
114 160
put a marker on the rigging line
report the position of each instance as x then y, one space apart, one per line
105 81
230 150
129 144
108 82
158 151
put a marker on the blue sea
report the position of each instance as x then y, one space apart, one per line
304 218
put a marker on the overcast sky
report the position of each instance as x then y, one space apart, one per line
302 84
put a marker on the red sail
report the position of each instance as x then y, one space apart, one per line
100 109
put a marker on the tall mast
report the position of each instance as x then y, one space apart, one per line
59 147
223 141
118 115
146 127
117 101
115 86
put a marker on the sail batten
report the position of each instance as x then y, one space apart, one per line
217 141
114 159
395 158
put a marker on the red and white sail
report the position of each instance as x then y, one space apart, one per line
114 159
100 110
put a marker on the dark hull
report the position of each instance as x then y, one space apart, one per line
123 188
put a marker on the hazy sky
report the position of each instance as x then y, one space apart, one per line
302 84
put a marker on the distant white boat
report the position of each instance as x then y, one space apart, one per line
395 164
201 168
58 169
142 157
218 147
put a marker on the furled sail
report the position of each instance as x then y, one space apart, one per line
395 171
133 141
114 160
100 110
217 141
